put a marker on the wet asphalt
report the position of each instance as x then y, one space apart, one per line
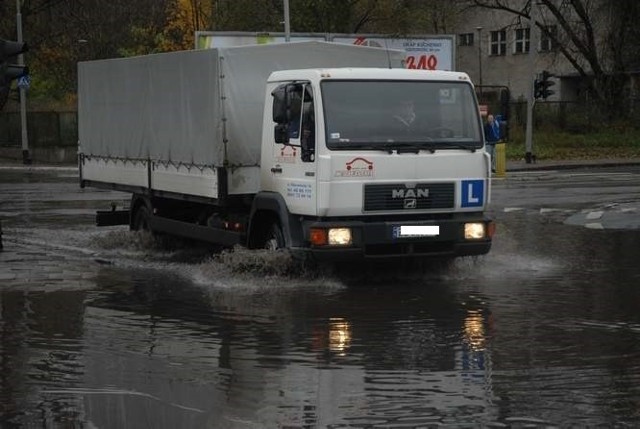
104 328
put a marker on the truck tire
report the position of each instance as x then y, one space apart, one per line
274 237
141 217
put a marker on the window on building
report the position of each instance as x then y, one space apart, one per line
465 39
547 42
522 39
498 42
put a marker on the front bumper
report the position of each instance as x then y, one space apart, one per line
371 240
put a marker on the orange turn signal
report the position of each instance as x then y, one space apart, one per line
491 230
318 236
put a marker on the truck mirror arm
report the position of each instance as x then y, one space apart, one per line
292 145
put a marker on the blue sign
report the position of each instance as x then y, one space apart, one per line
472 192
24 81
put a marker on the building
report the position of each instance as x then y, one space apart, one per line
494 48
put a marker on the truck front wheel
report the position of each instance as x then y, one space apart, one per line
274 238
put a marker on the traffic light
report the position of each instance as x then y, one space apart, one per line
542 84
9 70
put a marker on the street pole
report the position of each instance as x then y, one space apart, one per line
26 159
528 156
287 22
480 57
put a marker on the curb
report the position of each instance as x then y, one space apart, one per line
571 165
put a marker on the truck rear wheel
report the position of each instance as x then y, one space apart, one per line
274 237
141 217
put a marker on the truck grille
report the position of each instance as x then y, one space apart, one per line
422 196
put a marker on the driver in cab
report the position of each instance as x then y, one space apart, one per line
404 117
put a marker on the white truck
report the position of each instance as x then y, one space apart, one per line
289 146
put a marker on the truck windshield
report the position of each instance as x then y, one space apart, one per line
401 114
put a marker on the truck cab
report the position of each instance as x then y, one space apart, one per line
372 162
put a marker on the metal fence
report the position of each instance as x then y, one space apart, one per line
52 136
45 129
572 117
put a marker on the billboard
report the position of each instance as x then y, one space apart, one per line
427 52
422 52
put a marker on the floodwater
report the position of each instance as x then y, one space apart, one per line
102 328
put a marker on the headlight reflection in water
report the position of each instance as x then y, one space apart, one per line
339 335
474 331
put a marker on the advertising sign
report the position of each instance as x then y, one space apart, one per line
426 53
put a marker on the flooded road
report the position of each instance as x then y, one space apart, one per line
103 328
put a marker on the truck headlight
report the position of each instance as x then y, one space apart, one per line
474 231
330 236
339 236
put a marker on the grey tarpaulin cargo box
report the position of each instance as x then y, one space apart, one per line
201 107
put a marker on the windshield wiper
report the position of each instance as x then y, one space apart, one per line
433 146
384 147
406 146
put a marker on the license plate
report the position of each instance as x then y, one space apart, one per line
405 231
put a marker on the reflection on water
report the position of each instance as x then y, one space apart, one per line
339 335
157 350
474 330
107 329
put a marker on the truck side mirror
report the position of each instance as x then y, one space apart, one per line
279 111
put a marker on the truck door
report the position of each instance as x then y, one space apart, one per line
293 168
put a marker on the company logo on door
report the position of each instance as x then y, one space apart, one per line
357 167
287 155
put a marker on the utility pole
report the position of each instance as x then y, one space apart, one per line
528 156
479 29
26 159
287 22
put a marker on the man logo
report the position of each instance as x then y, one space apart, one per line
410 203
409 193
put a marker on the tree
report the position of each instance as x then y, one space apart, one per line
184 18
408 17
247 15
623 44
590 38
60 33
393 17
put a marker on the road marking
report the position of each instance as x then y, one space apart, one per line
594 215
546 210
594 225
